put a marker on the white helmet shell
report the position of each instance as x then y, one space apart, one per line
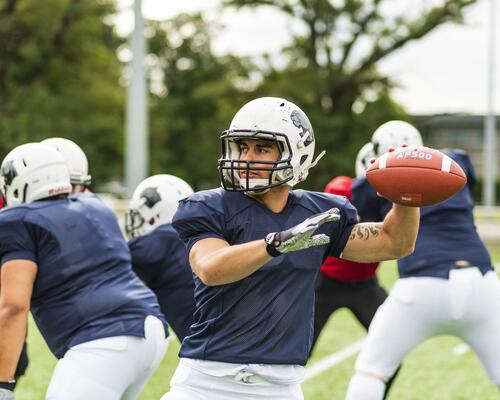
33 171
363 159
395 134
275 119
75 158
154 203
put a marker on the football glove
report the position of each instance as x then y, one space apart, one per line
301 236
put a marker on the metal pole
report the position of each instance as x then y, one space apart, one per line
490 139
136 147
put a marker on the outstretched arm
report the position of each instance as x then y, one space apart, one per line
391 239
17 277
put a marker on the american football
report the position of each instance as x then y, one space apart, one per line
416 176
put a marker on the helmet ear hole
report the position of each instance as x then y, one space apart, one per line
303 159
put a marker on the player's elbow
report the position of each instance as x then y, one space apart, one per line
403 249
9 311
209 277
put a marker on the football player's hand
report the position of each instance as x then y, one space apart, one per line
6 394
301 236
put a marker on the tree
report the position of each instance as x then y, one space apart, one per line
59 76
196 95
333 79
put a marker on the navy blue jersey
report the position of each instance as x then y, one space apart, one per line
160 259
267 317
447 231
84 288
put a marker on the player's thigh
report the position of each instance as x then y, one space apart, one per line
483 334
112 363
155 344
68 383
398 326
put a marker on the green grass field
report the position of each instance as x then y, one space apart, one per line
441 368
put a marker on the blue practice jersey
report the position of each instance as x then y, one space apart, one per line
267 317
160 259
447 231
84 288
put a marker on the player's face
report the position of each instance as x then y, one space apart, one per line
258 150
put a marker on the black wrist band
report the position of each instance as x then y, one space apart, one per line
270 246
9 385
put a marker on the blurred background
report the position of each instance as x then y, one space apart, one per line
65 66
146 87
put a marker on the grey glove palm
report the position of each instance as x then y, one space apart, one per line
301 236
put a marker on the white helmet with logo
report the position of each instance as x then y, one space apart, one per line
33 171
363 159
76 160
273 119
395 134
154 203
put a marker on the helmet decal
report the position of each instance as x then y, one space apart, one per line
9 172
300 120
151 196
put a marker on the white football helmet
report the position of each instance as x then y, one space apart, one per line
76 159
33 171
154 203
363 159
394 134
275 119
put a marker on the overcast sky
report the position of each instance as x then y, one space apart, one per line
444 72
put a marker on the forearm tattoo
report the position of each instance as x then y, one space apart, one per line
364 231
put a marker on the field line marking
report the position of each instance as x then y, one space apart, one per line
333 359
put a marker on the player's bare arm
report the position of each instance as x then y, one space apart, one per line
17 277
216 262
388 240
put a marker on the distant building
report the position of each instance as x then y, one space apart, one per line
463 131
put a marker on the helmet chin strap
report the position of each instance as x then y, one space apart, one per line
319 157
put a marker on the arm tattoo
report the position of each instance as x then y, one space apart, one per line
364 231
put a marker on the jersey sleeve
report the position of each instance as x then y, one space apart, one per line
197 220
349 218
17 241
148 253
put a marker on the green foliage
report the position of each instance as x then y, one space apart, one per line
59 77
334 80
197 98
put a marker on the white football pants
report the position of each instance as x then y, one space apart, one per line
466 305
114 368
190 384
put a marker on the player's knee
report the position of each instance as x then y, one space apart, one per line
365 386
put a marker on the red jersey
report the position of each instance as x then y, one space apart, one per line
338 268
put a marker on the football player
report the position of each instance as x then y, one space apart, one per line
76 160
447 286
65 258
159 257
256 246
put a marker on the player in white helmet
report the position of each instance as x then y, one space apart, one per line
65 260
255 247
75 158
394 134
365 154
159 257
447 286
